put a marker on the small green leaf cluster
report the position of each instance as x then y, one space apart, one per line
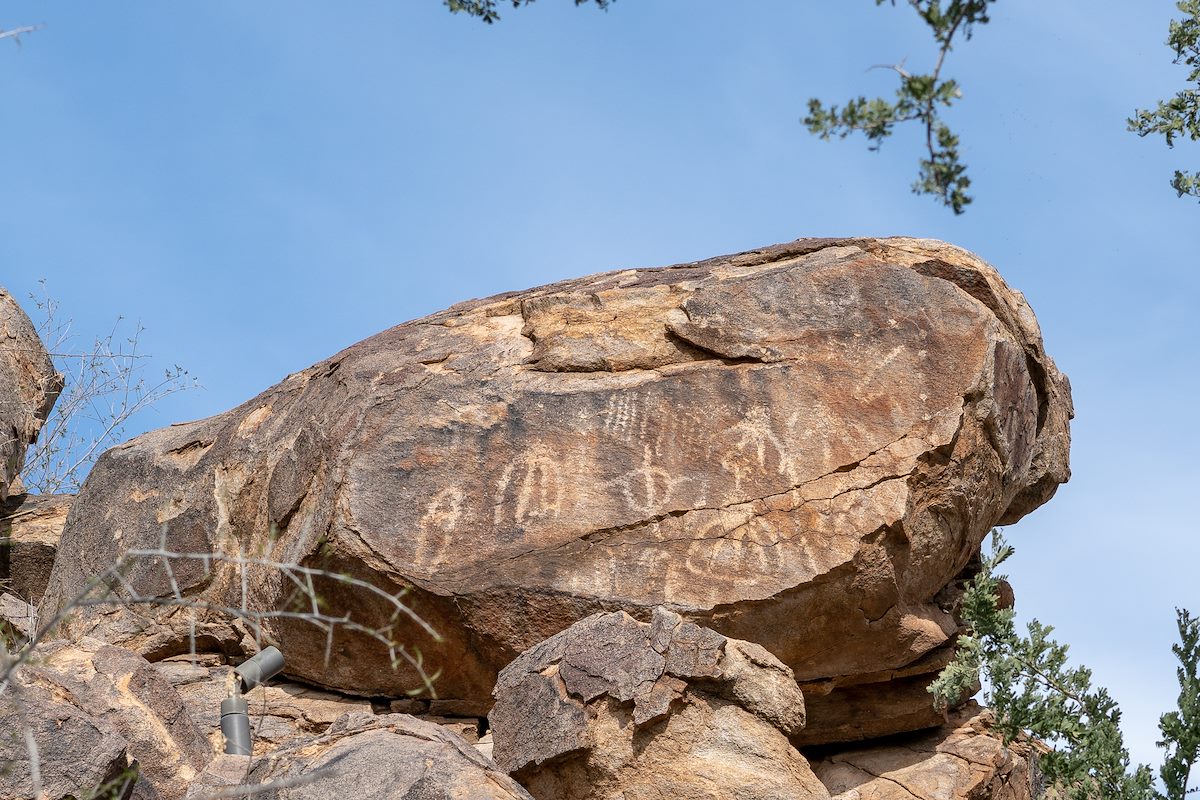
919 98
1180 115
1035 692
486 10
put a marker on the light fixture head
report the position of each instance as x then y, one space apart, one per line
261 668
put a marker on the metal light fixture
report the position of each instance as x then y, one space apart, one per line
235 717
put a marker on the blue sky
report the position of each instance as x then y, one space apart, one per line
262 184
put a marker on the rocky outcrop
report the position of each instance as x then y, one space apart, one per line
30 527
111 713
29 385
799 446
615 708
393 756
962 760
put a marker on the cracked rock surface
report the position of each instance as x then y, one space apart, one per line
961 760
798 446
367 756
615 708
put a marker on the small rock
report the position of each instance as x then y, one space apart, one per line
20 615
223 772
466 727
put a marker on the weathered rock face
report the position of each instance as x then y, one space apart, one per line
28 388
30 527
798 446
613 708
76 752
960 761
18 619
393 756
98 712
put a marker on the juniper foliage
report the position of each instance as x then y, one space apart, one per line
920 98
1035 692
1179 117
488 10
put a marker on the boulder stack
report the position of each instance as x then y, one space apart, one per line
694 531
799 446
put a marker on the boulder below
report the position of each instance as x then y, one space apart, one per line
98 714
613 708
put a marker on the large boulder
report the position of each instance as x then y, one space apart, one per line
613 708
29 385
798 446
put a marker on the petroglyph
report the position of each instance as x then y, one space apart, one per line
531 487
620 415
649 486
434 534
755 436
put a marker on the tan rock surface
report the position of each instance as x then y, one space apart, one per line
959 761
612 708
116 692
20 617
76 752
29 385
30 527
798 446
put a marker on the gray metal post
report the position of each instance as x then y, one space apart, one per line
235 725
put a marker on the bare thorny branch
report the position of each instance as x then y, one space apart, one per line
105 388
113 587
16 33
